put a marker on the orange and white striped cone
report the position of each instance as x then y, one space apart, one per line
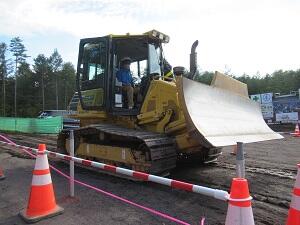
294 211
239 207
234 150
41 203
2 177
297 131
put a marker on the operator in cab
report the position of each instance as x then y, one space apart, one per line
124 75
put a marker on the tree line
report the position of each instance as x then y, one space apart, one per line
280 81
48 83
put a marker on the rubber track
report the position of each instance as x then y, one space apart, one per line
162 148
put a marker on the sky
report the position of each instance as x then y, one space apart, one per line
235 36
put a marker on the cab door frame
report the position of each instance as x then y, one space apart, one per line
107 73
118 111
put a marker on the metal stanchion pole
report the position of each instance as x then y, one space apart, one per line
240 160
72 163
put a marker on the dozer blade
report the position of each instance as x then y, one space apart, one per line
222 114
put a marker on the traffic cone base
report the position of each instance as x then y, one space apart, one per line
32 219
41 203
234 217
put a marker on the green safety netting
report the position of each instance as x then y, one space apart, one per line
51 125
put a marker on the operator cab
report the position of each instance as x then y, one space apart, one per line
99 61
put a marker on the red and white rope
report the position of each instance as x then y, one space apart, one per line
215 193
153 211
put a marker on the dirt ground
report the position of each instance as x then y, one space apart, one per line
270 170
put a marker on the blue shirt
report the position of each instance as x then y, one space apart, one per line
124 76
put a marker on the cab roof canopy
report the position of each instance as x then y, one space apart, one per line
154 35
135 46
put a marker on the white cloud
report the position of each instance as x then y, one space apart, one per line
247 36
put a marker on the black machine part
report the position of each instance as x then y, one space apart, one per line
179 70
193 61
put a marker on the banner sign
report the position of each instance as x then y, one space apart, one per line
267 110
255 98
266 98
286 117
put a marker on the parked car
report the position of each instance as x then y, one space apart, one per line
68 122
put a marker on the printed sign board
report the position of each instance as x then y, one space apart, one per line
267 110
256 98
266 98
286 117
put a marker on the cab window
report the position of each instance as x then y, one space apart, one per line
154 67
93 69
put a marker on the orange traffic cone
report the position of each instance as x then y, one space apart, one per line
2 177
294 211
41 202
234 150
297 131
239 206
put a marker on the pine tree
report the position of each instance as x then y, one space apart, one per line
3 72
18 50
68 85
41 68
56 64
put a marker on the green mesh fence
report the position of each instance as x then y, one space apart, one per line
32 125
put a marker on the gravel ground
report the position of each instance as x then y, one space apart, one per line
270 169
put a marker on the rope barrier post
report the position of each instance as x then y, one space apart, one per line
240 161
72 163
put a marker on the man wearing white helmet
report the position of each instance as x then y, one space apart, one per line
124 75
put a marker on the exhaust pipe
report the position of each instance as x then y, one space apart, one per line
193 61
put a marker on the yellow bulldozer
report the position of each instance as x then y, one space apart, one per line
174 118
